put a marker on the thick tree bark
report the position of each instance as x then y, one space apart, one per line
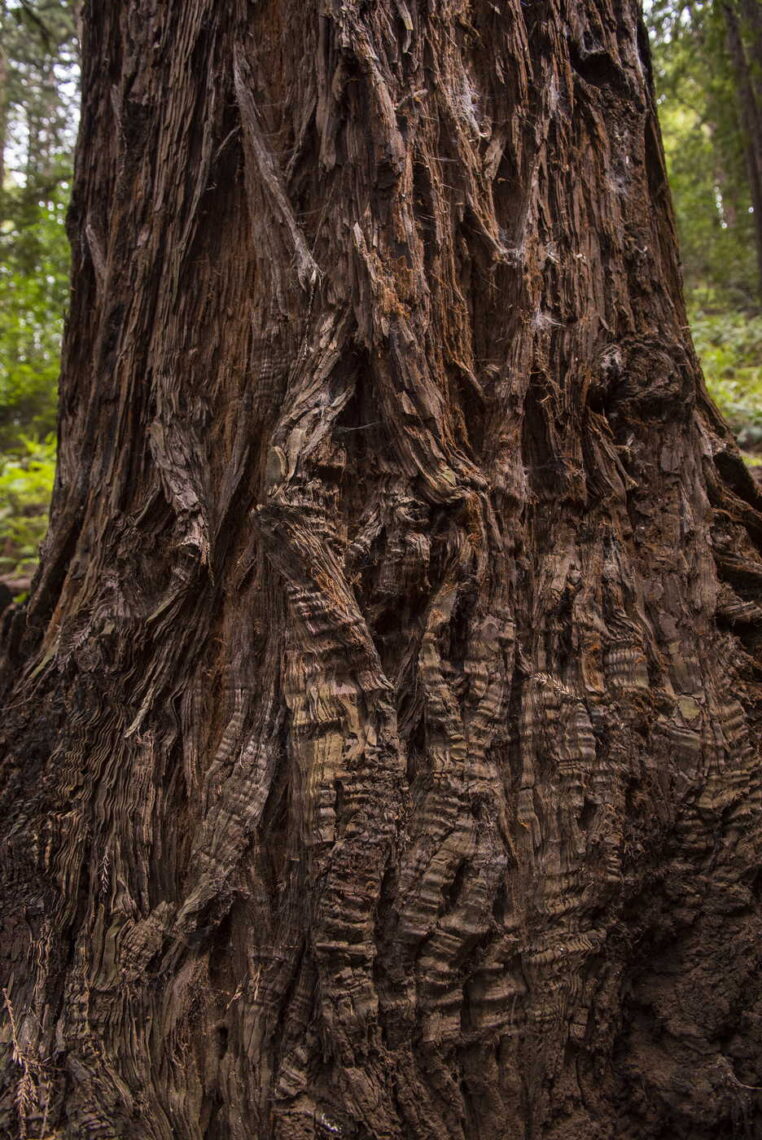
380 756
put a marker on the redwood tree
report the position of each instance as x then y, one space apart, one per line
380 745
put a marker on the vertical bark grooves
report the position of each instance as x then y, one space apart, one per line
380 753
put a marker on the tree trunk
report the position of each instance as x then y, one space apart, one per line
3 109
380 757
746 61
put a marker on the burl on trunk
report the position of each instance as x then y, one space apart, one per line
380 751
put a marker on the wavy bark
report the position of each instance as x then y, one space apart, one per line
380 757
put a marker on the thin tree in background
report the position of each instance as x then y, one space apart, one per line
381 737
710 57
744 31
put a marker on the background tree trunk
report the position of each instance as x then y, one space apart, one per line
746 59
380 757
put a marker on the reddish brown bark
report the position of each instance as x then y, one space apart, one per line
380 757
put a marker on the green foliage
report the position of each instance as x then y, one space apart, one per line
704 144
37 110
730 348
37 115
38 95
34 285
26 484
